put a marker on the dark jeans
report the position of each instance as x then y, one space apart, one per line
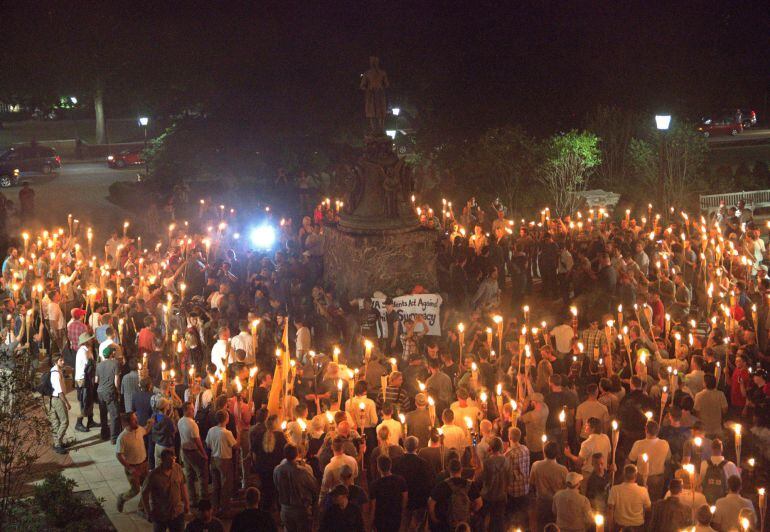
86 401
495 510
174 525
295 519
110 423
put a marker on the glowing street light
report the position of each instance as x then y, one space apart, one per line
662 122
396 111
143 121
391 133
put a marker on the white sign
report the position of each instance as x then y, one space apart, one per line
426 305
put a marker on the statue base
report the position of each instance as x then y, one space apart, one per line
357 263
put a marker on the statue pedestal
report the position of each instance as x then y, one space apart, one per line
359 262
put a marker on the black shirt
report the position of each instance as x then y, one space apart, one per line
387 491
419 479
442 494
253 520
338 520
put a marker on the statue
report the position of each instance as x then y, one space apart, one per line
374 82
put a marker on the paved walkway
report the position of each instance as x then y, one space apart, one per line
91 463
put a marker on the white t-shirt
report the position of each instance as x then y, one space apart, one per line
394 428
55 381
331 476
657 452
630 501
81 359
130 444
563 334
55 315
454 437
218 354
730 468
243 341
221 442
104 345
188 432
596 443
588 409
303 340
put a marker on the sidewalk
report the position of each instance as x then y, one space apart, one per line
92 463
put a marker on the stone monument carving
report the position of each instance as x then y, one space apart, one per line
378 243
374 82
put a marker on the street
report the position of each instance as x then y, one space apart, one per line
754 135
80 189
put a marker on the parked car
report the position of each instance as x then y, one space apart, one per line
748 118
720 126
9 177
27 159
125 158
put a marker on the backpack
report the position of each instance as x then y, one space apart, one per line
459 503
45 388
715 481
202 416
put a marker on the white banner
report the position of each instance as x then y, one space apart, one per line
426 305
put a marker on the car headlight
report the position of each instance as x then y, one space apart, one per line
110 158
16 171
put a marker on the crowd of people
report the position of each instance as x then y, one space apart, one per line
592 373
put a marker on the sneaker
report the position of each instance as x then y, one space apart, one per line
120 503
80 427
92 424
59 449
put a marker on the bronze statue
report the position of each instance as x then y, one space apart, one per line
374 82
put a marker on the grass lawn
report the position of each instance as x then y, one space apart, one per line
118 130
734 155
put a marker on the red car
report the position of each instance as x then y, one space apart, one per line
125 158
720 126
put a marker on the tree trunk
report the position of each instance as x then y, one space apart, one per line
101 124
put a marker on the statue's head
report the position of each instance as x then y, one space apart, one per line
374 61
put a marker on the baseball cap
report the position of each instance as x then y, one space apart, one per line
77 313
574 479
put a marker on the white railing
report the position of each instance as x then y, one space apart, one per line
754 198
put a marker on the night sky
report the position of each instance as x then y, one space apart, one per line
460 69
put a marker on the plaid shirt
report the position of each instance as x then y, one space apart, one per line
74 329
518 455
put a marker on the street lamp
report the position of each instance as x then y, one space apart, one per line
391 133
74 100
143 121
396 111
662 122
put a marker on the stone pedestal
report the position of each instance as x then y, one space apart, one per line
358 263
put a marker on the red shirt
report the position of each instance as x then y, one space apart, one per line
736 396
146 340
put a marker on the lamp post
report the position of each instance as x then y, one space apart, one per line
662 123
143 121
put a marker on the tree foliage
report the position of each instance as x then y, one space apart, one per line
24 428
569 161
669 165
502 162
615 127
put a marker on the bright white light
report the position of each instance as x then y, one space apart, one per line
263 237
391 133
73 100
143 120
662 121
396 111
